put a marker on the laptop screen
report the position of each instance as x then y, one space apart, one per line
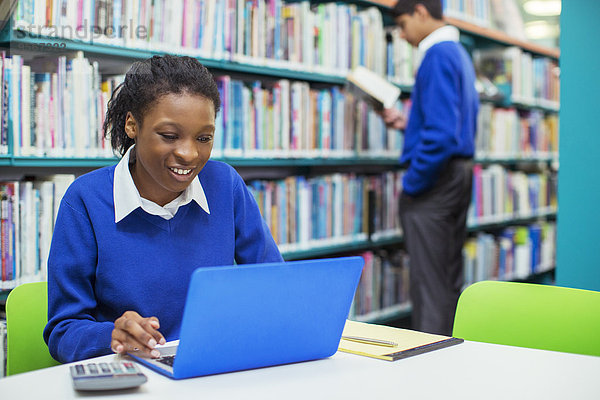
250 316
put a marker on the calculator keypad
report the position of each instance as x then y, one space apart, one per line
106 376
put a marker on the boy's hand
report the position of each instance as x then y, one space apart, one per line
393 118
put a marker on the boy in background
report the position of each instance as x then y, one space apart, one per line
438 151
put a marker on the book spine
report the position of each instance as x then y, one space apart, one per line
10 228
15 108
4 105
4 230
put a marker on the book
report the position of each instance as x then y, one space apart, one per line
4 85
372 88
6 10
3 344
393 343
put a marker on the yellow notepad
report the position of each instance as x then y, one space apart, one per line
389 343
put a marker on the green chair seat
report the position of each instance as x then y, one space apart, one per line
26 317
530 315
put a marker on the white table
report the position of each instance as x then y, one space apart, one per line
466 371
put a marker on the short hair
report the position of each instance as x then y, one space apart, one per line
408 7
147 81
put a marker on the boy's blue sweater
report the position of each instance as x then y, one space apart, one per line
443 118
98 269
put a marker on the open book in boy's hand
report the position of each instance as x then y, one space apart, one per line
372 88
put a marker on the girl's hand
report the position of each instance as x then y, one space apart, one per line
133 333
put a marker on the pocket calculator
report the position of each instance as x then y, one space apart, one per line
118 374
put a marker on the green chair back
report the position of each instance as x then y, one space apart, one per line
530 315
26 317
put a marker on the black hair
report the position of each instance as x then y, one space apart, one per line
148 80
408 7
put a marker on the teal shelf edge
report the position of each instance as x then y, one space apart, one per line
61 162
386 241
388 314
543 277
521 106
5 161
19 161
484 38
233 66
360 3
510 221
320 251
512 161
4 295
404 88
33 42
306 162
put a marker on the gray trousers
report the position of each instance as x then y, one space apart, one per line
434 225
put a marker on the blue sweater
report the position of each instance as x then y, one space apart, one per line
443 118
98 269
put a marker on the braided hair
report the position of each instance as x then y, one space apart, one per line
148 80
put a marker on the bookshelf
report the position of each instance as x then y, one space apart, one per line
319 75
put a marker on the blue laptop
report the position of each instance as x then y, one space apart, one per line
251 316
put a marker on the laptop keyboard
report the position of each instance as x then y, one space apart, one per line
168 360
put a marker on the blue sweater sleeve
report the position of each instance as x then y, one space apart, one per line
439 93
72 333
254 242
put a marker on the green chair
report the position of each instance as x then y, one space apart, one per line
530 315
26 317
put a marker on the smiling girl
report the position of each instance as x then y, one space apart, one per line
127 237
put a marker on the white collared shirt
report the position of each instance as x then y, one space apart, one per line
127 197
446 33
